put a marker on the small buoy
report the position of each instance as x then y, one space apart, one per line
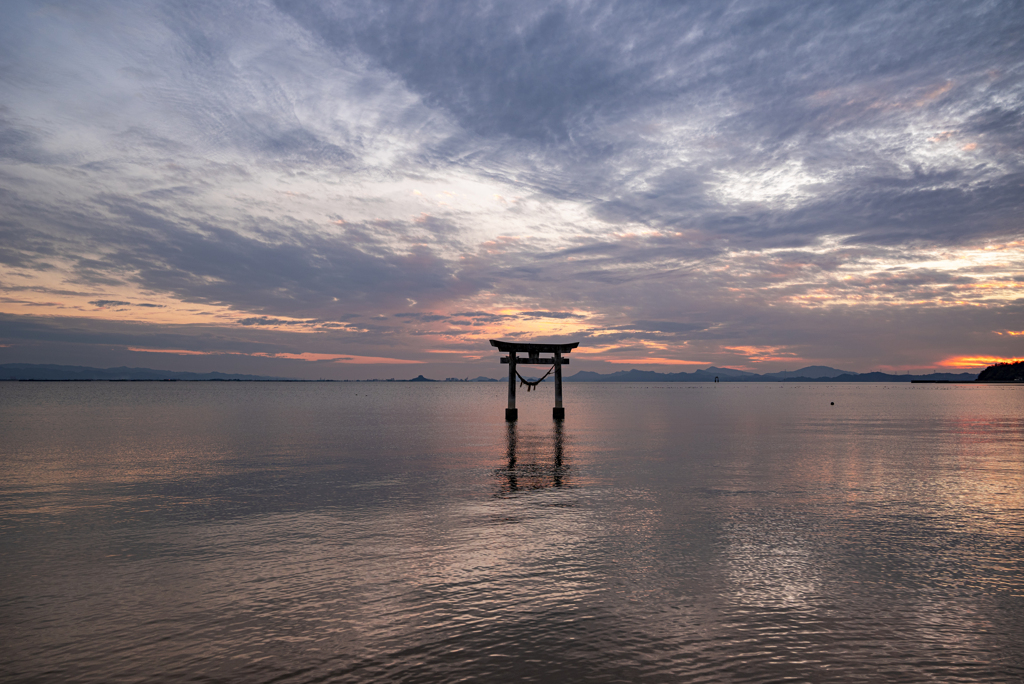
833 403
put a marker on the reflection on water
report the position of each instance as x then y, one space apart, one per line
404 532
527 469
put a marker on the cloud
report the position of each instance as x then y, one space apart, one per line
179 352
662 326
265 320
550 314
715 178
768 103
422 317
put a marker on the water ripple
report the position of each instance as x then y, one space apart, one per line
287 533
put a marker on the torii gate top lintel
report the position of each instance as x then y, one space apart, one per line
533 347
533 351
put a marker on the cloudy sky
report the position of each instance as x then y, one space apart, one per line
356 189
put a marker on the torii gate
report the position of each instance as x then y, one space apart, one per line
533 352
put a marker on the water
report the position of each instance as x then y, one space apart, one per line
403 532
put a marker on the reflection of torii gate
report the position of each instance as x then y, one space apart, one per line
533 352
519 476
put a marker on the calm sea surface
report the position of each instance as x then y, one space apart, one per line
315 532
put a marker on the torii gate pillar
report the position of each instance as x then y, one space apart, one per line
558 412
511 413
533 352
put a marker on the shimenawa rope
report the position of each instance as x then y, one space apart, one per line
531 385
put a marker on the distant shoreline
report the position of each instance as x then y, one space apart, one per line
965 382
808 381
26 372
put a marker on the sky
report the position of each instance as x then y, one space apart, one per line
358 189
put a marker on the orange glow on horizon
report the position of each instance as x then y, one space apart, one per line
304 356
591 351
655 361
181 352
977 361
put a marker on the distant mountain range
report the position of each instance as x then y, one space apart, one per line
808 374
45 371
36 371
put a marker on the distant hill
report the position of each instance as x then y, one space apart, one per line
814 372
634 375
1003 372
45 371
808 374
727 372
888 377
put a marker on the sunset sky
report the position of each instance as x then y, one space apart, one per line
361 189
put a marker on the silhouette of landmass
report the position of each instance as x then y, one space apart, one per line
1003 372
45 371
998 373
808 374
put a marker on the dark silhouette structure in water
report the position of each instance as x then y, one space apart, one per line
533 356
